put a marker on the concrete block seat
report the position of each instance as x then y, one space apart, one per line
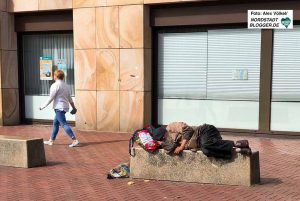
20 151
195 167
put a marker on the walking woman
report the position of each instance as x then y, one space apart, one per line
60 95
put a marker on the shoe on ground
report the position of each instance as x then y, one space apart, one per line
74 143
49 142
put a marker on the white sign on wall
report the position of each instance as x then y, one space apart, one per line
240 74
270 19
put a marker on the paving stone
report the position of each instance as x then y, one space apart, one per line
80 173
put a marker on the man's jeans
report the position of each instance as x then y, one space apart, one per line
60 118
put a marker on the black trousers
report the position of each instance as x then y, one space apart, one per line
212 144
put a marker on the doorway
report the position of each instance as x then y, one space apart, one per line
41 52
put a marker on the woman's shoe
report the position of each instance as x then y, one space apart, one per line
74 143
49 142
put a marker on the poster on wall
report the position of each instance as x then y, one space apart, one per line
46 64
62 65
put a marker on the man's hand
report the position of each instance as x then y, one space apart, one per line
178 150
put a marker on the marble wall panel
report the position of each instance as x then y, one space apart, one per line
131 110
10 105
86 114
55 4
8 35
84 3
3 5
101 2
84 28
108 111
85 69
22 5
107 27
124 2
9 69
131 26
108 69
132 69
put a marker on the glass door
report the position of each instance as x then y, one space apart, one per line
42 55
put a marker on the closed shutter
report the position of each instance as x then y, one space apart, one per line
182 65
231 51
286 65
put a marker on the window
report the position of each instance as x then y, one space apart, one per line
209 77
182 61
285 106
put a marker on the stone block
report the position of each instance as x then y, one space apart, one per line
17 151
195 167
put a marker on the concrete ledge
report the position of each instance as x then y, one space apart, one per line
195 167
19 151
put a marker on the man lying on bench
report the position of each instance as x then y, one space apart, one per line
179 136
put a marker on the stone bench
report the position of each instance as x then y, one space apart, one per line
19 151
195 167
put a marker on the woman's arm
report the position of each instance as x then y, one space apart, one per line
53 91
71 100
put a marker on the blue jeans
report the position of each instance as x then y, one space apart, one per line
60 118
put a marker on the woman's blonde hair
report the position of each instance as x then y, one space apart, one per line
59 74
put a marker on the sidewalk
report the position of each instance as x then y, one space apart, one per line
80 173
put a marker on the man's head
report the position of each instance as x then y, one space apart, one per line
59 75
158 133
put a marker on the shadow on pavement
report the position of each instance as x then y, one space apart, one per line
83 144
270 181
53 163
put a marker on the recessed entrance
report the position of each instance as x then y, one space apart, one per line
41 55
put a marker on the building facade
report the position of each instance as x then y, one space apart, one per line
132 62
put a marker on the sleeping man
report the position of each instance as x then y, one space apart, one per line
179 136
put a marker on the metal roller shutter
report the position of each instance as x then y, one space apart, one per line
286 65
230 51
182 65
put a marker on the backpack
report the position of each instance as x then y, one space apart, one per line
144 139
